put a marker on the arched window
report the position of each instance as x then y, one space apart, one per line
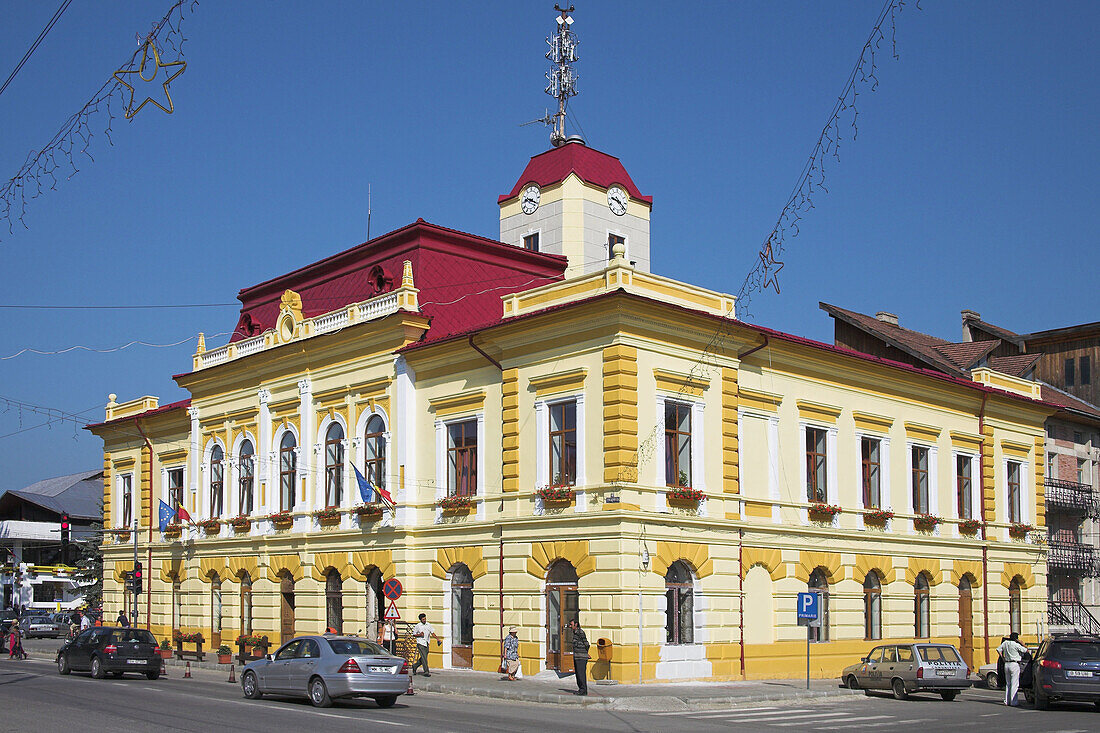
921 607
679 604
217 481
288 465
1015 609
872 607
215 610
819 584
374 447
246 463
462 616
246 602
334 465
334 601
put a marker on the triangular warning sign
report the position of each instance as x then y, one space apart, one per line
391 613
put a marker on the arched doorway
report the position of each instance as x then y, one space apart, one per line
215 611
819 584
334 601
679 604
376 602
1015 606
462 617
966 621
562 604
246 603
286 604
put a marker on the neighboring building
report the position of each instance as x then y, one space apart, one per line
465 375
36 574
1072 447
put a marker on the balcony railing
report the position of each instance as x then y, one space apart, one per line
1070 496
1073 557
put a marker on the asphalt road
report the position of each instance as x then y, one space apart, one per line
33 697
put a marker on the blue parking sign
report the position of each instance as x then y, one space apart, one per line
808 605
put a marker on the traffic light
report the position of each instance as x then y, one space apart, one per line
137 577
64 536
128 580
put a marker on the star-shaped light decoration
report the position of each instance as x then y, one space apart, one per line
767 258
157 65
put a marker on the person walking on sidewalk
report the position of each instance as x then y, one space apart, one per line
423 631
580 657
15 643
122 620
511 653
1012 652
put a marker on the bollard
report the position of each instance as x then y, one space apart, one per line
187 670
163 668
410 691
232 676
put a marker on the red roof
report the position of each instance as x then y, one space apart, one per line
148 413
590 165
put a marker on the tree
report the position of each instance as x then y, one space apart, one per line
89 563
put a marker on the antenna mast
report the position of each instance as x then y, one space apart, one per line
563 81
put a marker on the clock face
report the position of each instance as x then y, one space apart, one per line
530 199
616 200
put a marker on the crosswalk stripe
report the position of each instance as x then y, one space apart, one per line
727 710
862 722
806 719
739 714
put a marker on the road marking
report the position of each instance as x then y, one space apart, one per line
719 712
740 715
861 725
348 717
809 719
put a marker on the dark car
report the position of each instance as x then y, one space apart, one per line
1066 668
103 649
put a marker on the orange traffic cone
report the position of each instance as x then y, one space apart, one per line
232 675
187 670
410 691
163 667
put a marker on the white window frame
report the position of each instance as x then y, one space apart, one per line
164 471
626 243
235 460
885 501
933 479
119 503
831 487
207 475
322 468
441 462
542 454
275 497
529 232
975 485
698 450
359 460
1027 495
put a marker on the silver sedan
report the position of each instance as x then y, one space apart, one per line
324 668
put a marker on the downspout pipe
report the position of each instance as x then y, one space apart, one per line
985 543
478 349
741 596
754 349
149 548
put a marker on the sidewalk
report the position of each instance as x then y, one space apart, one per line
548 687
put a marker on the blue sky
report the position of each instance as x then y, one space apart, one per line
972 183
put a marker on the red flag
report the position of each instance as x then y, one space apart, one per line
183 515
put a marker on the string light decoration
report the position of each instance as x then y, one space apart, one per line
845 115
39 173
123 74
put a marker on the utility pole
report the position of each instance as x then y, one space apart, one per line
133 586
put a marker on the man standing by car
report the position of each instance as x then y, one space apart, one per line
580 657
423 631
1012 652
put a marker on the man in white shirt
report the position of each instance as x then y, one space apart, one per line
1012 652
422 632
85 620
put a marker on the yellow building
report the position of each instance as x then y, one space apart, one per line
696 472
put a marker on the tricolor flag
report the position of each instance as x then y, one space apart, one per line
166 515
370 492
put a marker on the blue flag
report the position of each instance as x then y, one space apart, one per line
369 491
166 515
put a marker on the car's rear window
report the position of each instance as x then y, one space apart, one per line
1074 651
355 647
939 654
138 636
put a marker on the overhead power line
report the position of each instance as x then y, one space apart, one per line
27 55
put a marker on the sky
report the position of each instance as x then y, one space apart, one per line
971 184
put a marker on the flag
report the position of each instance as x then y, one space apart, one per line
166 515
369 492
184 516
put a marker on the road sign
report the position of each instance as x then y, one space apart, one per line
808 607
392 589
391 613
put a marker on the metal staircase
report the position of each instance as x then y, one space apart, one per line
1072 613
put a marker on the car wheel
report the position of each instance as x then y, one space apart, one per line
899 690
63 664
853 683
153 674
949 695
318 693
250 686
1042 702
993 681
386 701
97 668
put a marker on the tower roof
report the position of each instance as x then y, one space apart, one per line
590 165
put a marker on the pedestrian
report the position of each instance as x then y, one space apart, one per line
423 631
1012 652
580 657
386 636
511 653
122 620
15 643
85 620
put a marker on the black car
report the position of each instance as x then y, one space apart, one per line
1066 668
103 649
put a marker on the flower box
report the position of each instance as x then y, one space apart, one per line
970 526
878 517
368 512
1019 529
683 495
823 512
456 504
240 524
172 530
256 645
282 519
327 516
211 526
926 522
225 658
557 495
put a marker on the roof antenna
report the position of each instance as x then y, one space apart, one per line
368 212
563 81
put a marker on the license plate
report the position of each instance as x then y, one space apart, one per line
945 672
383 670
135 661
1077 673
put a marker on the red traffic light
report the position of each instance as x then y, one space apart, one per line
64 521
137 571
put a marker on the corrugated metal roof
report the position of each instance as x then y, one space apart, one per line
79 494
589 164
